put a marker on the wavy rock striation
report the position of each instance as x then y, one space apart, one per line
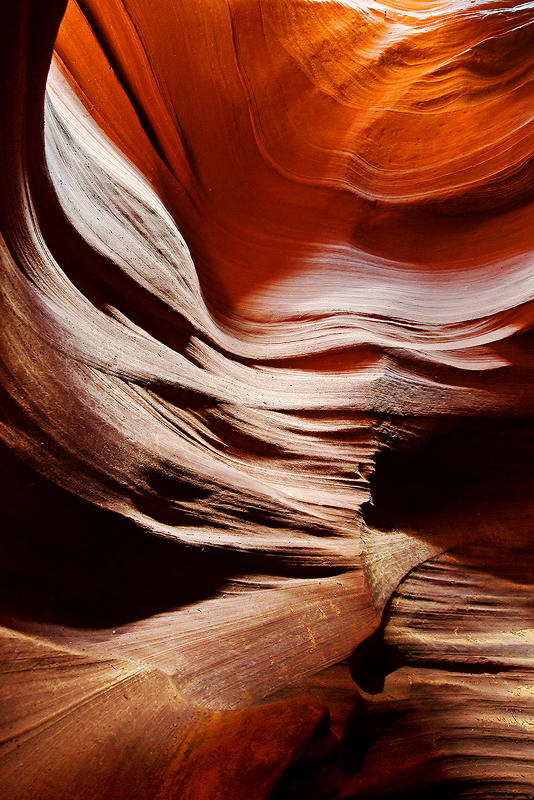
266 369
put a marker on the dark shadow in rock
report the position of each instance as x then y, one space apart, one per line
314 776
432 471
372 661
65 560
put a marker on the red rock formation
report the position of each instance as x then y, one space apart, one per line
266 366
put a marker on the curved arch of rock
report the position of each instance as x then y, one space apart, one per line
266 376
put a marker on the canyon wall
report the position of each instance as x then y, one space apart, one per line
267 400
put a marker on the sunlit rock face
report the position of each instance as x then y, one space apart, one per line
267 370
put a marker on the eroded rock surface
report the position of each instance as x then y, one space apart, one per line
267 399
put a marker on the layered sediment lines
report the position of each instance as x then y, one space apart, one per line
266 364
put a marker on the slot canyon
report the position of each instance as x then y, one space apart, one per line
267 415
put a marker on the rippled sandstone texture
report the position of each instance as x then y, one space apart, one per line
266 375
